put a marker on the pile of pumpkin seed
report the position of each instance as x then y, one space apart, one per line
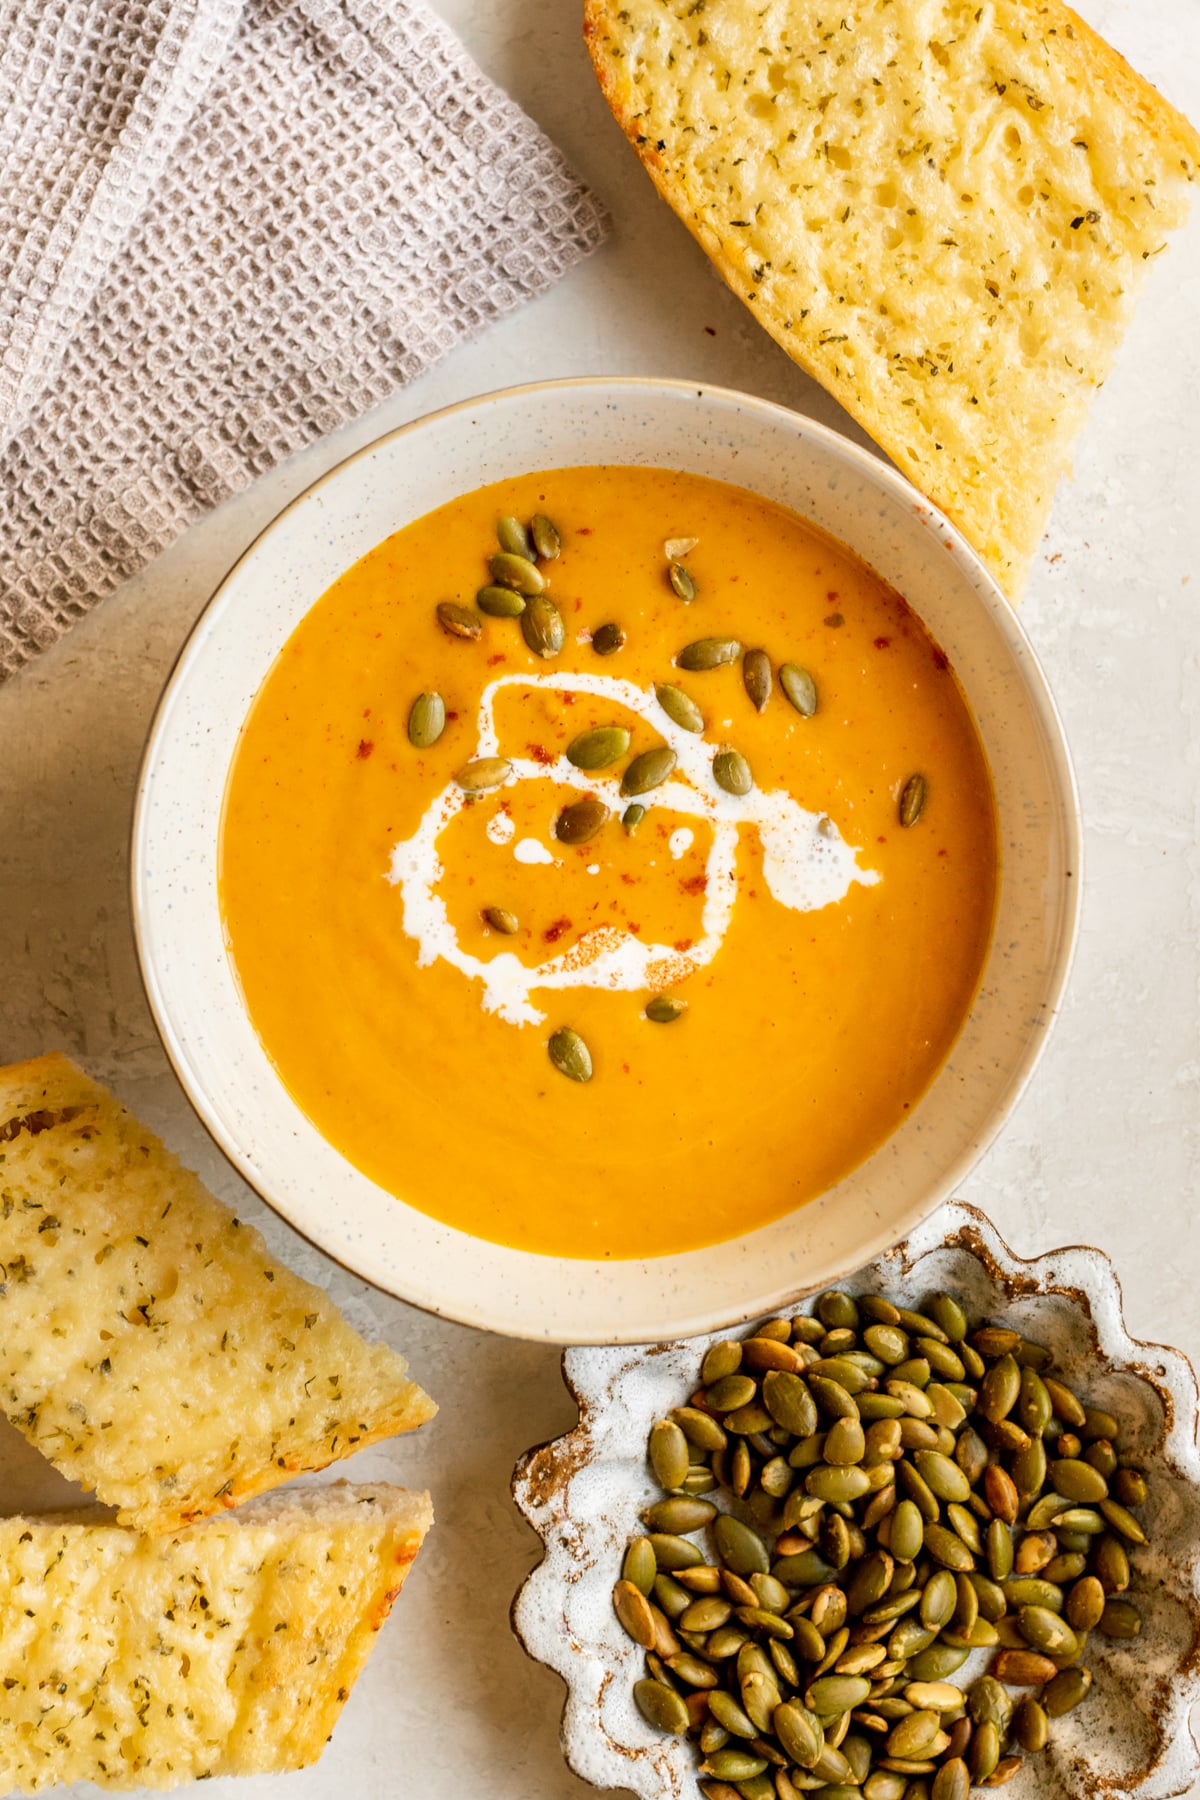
902 1490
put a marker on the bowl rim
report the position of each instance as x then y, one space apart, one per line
477 1307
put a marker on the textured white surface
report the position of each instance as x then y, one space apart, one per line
1105 1146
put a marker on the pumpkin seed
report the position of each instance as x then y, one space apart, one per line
732 772
546 538
708 653
1085 1604
607 640
944 1478
1023 1668
1130 1488
1120 1619
733 1765
500 602
1078 1480
983 1752
952 1781
912 801
681 582
699 1429
740 1547
570 1055
679 1515
639 1566
661 1707
506 923
1066 1406
633 1610
426 720
800 689
458 621
1031 1725
517 571
672 1553
1065 1691
679 706
800 1733
1122 1520
790 1403
579 822
1045 1631
484 773
664 1009
598 748
827 1483
512 537
756 677
632 817
542 626
649 770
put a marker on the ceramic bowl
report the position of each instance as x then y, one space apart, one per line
583 1494
190 980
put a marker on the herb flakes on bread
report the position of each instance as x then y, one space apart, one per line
229 1649
150 1345
941 210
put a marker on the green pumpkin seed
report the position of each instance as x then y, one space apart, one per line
546 538
681 582
1045 1631
1034 1406
732 772
800 1733
484 773
999 1550
999 1390
708 1613
506 923
947 1548
740 1547
1066 1406
912 1737
912 801
680 1514
649 770
708 653
639 1566
458 621
730 1392
679 706
598 748
1078 1481
699 1429
1122 1520
789 1402
983 1752
1120 1619
1032 1590
1030 1725
724 1358
661 1707
726 1711
426 720
733 1765
833 1694
515 571
827 1483
580 822
632 817
664 1009
1085 1604
952 1781
513 538
944 1478
672 1553
1099 1424
570 1055
756 677
1111 1564
800 689
945 1309
845 1442
500 602
1063 1694
633 1610
607 640
542 626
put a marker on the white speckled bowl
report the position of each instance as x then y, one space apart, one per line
190 980
584 1492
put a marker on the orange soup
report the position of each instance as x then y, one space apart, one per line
578 936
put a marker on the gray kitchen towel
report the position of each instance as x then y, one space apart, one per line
227 227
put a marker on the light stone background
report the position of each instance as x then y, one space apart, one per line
1103 1150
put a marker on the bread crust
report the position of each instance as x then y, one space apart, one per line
1085 60
187 1370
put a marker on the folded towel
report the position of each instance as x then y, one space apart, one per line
227 227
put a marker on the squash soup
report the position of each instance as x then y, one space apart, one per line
611 885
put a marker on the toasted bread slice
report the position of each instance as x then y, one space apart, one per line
229 1649
150 1346
942 210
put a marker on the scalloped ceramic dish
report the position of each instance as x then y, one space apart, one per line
190 979
584 1492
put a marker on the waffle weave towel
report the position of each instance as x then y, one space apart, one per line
226 228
